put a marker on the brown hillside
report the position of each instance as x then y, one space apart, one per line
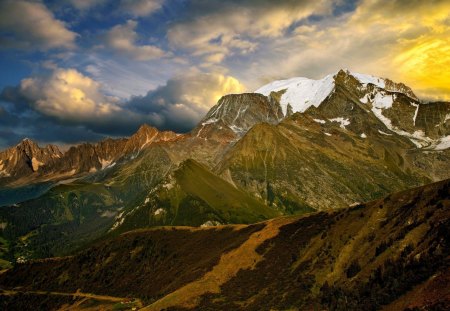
392 253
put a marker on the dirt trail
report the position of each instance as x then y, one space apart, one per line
77 294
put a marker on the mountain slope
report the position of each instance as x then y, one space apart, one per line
193 196
364 257
284 164
71 215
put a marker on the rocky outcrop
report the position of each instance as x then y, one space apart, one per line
235 114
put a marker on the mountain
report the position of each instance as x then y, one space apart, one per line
390 254
27 171
330 135
27 162
393 104
296 147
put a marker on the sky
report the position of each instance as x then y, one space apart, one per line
82 70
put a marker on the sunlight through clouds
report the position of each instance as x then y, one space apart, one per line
167 62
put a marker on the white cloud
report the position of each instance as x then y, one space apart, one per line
141 8
229 28
67 95
122 38
30 25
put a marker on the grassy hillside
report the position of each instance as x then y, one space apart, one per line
391 253
192 196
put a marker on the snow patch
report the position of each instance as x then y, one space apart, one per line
236 129
169 185
363 135
301 93
444 143
320 121
328 134
209 121
119 221
343 122
384 133
383 101
447 117
379 114
108 214
415 113
366 79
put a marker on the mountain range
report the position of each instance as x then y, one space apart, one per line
292 147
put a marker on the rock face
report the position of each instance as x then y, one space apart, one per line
235 114
27 157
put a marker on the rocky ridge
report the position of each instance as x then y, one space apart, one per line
28 163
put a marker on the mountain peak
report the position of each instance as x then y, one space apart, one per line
28 146
301 93
145 128
234 114
27 142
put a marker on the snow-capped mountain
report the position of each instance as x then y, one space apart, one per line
345 97
426 127
301 93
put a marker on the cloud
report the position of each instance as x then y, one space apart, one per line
226 27
30 25
185 99
406 41
67 95
85 4
141 8
66 101
122 38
